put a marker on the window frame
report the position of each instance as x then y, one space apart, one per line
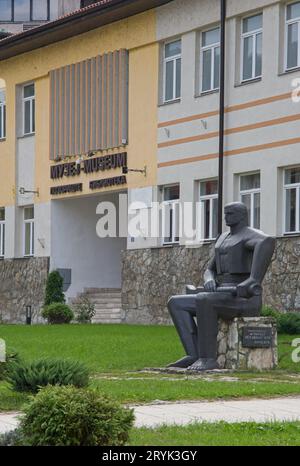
211 198
3 118
31 20
2 236
245 35
173 59
26 222
287 187
202 50
172 203
252 193
288 22
32 113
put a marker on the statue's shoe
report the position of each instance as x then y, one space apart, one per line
203 365
183 362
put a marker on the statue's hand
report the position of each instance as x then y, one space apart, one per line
248 288
210 286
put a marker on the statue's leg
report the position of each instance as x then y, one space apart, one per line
182 309
208 308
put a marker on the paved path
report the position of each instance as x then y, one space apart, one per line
257 410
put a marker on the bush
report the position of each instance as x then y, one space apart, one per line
270 312
289 323
84 310
11 357
30 376
58 313
54 289
66 416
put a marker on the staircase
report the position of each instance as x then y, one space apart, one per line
107 303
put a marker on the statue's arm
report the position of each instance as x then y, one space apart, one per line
263 249
210 276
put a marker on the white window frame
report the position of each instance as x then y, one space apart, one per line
288 22
174 59
3 118
2 237
30 99
31 222
173 205
287 187
245 35
210 198
252 193
203 49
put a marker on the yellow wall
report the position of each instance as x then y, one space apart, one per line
138 35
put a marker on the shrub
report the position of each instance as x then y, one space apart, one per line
30 376
66 416
11 357
289 323
58 313
270 312
84 310
54 289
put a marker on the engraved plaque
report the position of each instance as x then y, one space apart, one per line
257 337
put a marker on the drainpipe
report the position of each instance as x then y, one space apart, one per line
221 116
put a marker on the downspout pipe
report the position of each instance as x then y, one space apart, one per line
221 115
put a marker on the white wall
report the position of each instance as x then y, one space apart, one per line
95 262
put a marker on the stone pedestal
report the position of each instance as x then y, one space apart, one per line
247 344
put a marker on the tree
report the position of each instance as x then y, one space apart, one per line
54 289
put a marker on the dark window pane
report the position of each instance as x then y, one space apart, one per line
248 58
171 193
258 57
211 37
256 220
33 116
2 214
209 187
293 11
172 49
292 176
215 218
206 80
217 68
5 10
169 91
252 24
178 78
22 10
40 10
29 91
292 46
290 217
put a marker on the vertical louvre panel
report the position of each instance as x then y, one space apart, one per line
89 105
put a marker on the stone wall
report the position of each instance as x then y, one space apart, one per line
22 282
151 276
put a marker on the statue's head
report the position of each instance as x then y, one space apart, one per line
236 213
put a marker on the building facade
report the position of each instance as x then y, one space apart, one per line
20 15
122 98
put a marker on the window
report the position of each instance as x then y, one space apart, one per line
2 232
292 200
171 214
28 231
172 71
27 10
250 196
252 47
293 36
2 115
29 109
210 59
6 10
208 215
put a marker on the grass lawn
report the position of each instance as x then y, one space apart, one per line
220 434
115 354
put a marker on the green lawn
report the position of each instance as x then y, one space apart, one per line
220 434
115 354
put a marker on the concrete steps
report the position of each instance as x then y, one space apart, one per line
108 304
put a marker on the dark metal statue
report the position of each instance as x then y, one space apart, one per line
232 288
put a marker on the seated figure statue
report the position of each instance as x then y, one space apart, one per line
232 288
